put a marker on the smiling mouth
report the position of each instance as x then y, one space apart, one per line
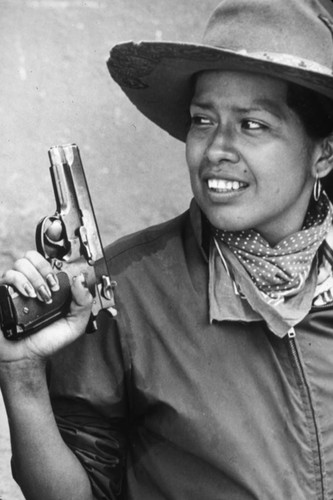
225 186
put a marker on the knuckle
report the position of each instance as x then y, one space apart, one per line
30 255
33 257
7 276
19 263
35 262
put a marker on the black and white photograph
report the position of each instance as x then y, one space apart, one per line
166 258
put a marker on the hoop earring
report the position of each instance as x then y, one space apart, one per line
317 189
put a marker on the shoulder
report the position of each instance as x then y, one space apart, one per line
148 241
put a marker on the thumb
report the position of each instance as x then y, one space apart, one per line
81 304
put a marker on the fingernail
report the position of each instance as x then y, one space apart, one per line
44 295
52 281
81 277
29 289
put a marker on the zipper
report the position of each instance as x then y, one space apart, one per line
305 389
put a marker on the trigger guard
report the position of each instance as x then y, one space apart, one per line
42 238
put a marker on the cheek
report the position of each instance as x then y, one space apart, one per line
194 159
195 150
189 153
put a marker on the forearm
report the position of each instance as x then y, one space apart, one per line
44 466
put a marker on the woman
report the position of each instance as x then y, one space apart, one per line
215 379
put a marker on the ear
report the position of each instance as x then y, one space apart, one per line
324 158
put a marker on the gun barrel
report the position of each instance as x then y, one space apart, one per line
66 162
73 198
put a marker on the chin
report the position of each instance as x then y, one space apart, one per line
225 223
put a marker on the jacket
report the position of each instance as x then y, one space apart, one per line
161 403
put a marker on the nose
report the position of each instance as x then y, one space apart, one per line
222 146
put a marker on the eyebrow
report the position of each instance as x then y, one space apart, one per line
257 105
264 105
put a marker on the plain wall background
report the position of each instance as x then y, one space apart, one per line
55 88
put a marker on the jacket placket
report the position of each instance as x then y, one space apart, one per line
310 414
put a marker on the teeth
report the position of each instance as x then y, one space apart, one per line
224 185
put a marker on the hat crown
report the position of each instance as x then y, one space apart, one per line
300 28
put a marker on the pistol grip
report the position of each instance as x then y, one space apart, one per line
21 316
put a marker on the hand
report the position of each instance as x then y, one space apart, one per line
33 276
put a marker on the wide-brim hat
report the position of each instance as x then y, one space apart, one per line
287 39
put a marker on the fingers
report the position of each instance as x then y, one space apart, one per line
20 282
33 276
52 239
54 230
55 336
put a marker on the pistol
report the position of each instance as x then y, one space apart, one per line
78 250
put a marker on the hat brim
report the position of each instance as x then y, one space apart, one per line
158 76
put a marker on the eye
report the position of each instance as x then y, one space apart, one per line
253 125
200 120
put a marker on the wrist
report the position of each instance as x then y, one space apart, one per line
26 375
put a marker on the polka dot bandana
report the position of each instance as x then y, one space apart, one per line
281 271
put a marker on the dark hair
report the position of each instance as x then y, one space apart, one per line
314 110
316 114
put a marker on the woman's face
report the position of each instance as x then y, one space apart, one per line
251 163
